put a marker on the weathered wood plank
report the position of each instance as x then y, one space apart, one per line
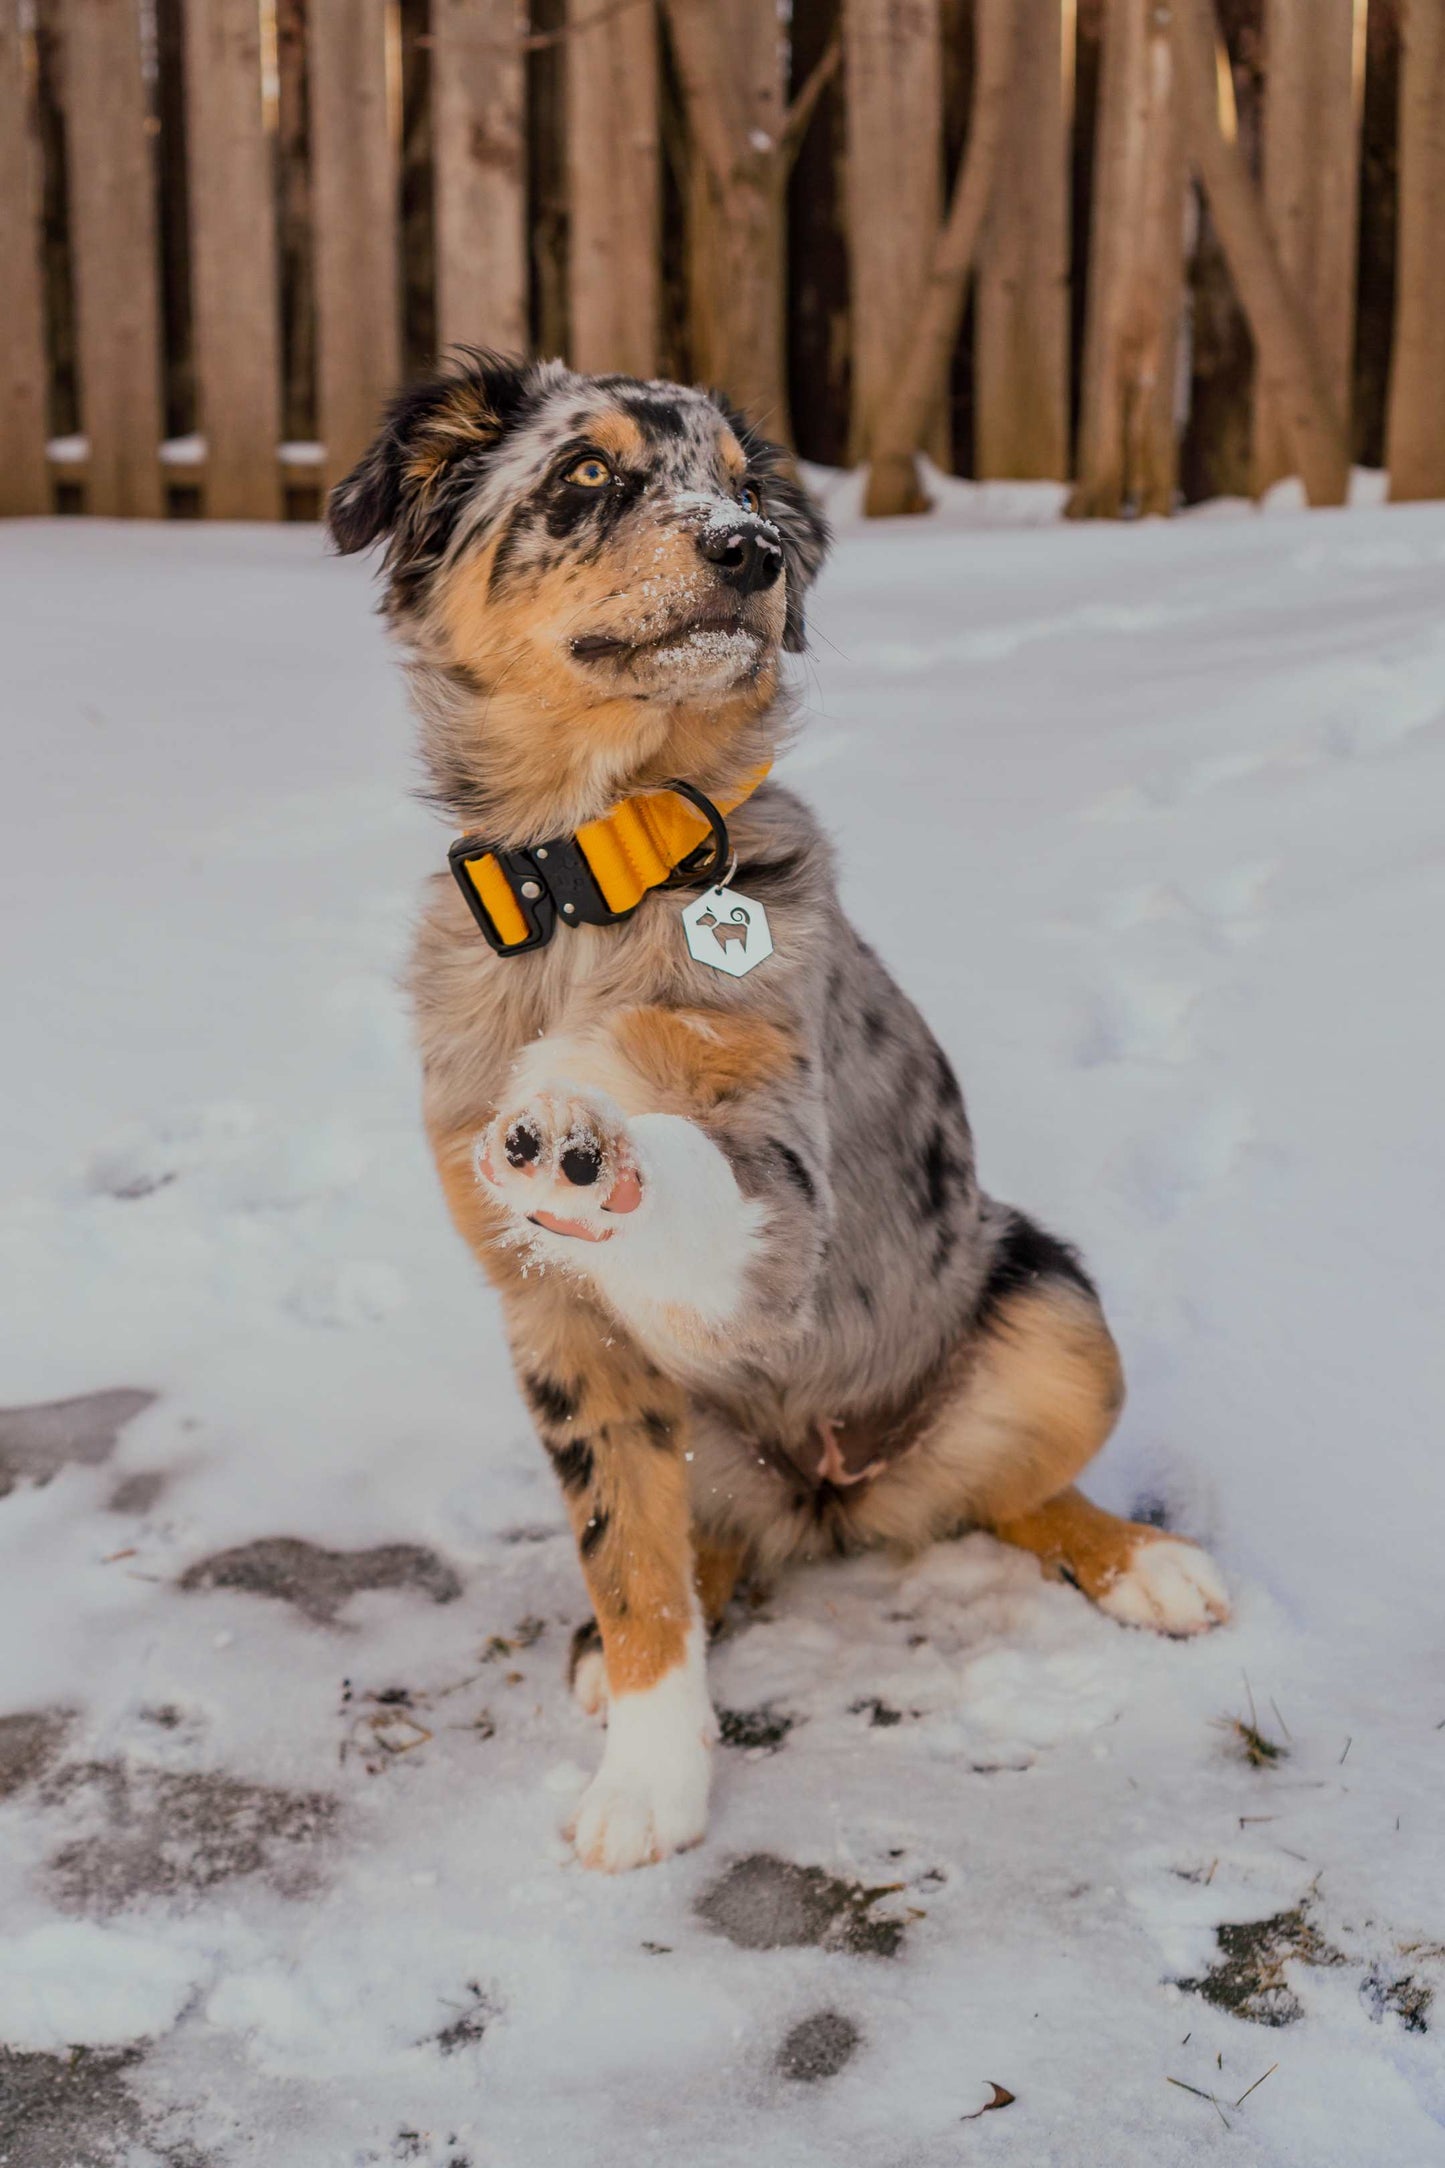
1313 85
113 251
24 481
233 258
354 199
614 188
481 174
894 69
1128 449
1021 309
1415 445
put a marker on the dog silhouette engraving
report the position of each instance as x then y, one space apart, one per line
734 928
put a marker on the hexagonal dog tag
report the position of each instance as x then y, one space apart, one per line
727 932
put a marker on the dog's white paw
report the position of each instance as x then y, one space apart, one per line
636 1819
649 1798
1169 1585
589 1682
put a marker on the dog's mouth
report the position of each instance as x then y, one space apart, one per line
714 633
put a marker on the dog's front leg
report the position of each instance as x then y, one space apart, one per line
616 1433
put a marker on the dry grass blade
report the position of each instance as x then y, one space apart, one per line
1258 2081
1199 2094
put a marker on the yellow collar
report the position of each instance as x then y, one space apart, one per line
600 875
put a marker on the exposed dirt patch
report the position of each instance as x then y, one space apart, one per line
1399 1995
67 2111
30 1741
754 1728
819 2047
37 1442
320 1582
1249 1979
763 1903
163 1833
137 1493
468 2027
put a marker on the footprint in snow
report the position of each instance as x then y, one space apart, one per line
318 1582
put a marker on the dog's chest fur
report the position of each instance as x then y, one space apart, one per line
903 1231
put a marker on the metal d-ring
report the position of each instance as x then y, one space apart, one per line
688 873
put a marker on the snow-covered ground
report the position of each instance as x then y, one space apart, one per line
1149 820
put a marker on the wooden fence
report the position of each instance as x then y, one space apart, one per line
1162 248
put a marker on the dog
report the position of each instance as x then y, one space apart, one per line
758 1305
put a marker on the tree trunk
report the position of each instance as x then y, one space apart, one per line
613 188
1127 439
1314 76
921 355
1289 364
894 61
1416 427
1021 308
730 61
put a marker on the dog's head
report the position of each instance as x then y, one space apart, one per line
597 575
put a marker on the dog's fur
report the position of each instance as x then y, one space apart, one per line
758 1304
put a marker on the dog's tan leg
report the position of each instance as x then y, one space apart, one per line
1037 1399
716 1567
1050 1371
615 1431
1139 1575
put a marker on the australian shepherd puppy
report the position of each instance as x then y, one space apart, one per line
708 1153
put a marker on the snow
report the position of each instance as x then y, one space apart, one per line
1147 818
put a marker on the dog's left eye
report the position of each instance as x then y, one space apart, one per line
589 473
749 498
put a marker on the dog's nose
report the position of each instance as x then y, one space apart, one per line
745 554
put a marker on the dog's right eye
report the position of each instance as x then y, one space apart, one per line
589 472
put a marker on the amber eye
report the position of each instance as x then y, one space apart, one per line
749 498
589 472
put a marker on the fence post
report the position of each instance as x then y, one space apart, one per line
354 199
1021 306
893 102
613 188
1128 449
1415 438
113 250
233 260
479 150
1313 82
24 483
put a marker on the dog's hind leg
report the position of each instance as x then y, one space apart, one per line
1039 1391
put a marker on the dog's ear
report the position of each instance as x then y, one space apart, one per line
792 511
426 432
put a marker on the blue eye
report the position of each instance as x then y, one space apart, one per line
749 498
589 472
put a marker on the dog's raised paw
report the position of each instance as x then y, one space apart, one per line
562 1159
1169 1585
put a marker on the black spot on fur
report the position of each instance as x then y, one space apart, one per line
574 1465
593 1534
949 1094
936 1166
796 1172
660 1428
863 1294
1027 1255
875 1028
553 1401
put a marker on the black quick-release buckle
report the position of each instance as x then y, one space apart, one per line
552 882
